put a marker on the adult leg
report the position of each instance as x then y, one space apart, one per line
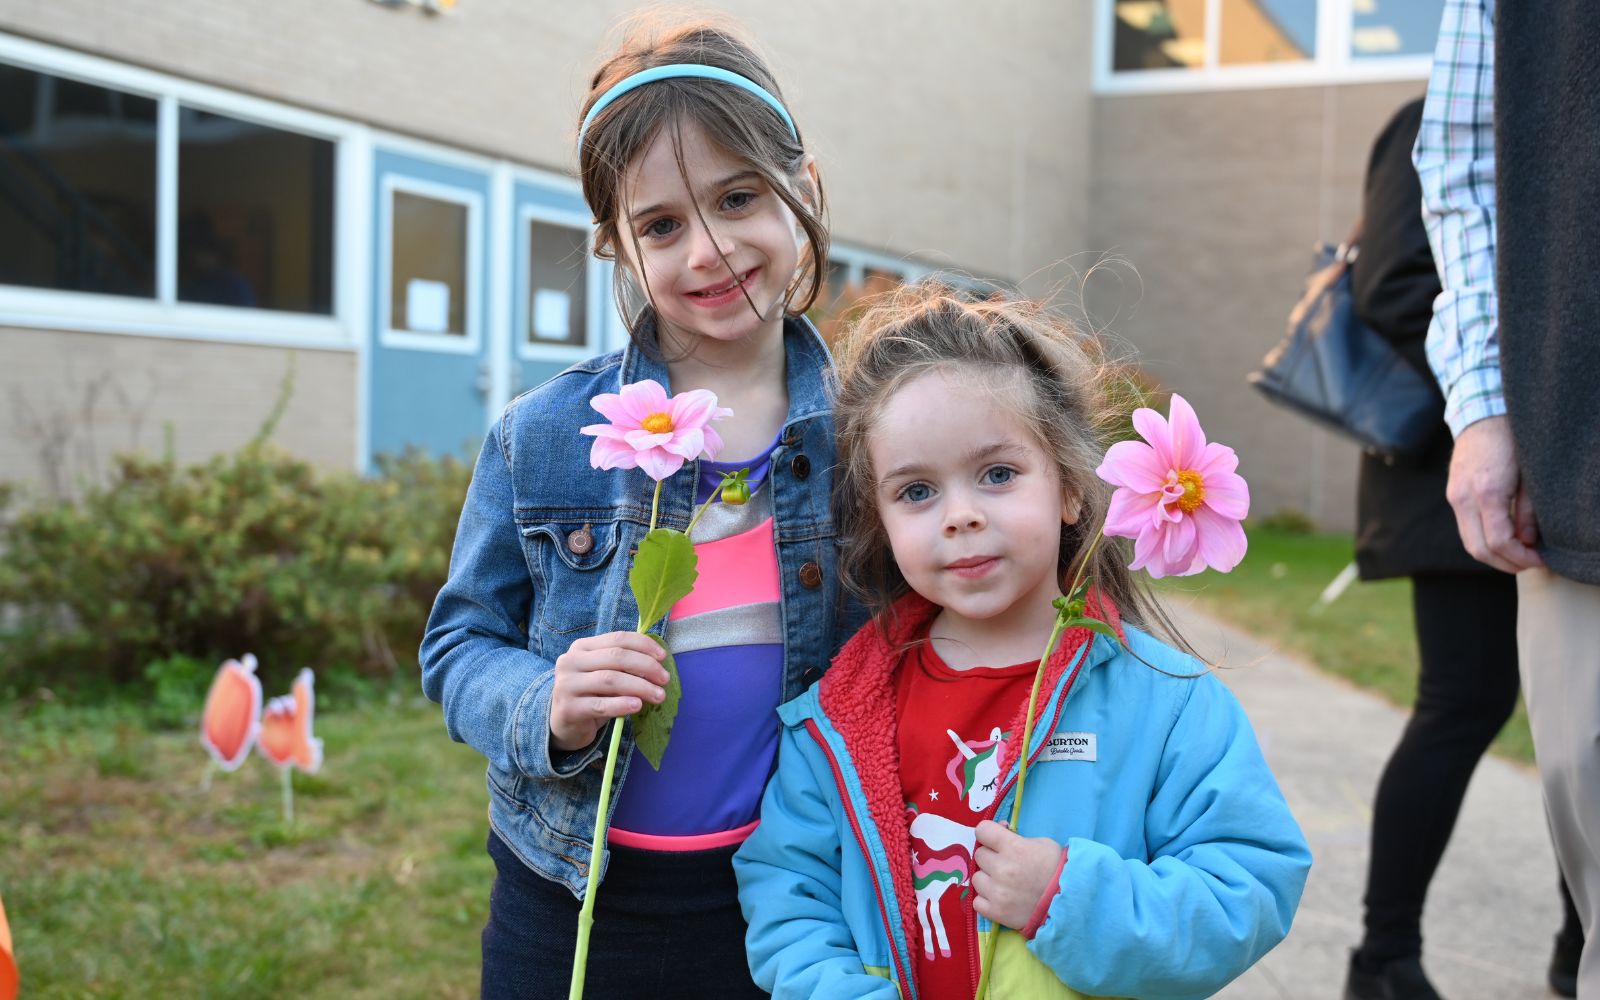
1466 689
1558 635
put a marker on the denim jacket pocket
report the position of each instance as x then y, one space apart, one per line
569 558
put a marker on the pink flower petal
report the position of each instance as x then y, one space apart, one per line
644 440
658 464
695 408
1152 426
713 445
605 430
1222 540
1130 513
1145 547
611 406
687 444
645 397
1178 545
1215 459
1133 464
609 453
1227 495
1188 439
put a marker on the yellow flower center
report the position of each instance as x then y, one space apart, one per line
1194 491
658 423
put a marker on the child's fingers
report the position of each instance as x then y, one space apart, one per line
995 835
626 656
611 708
981 905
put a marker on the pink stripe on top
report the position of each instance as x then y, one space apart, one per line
737 570
701 842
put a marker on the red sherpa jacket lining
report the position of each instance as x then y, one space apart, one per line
858 697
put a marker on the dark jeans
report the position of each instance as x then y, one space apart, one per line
1466 690
666 926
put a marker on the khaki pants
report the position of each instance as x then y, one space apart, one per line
1558 643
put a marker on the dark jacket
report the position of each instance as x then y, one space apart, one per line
1404 524
1546 113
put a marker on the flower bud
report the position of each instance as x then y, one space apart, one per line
736 493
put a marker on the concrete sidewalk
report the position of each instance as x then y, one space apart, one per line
1493 908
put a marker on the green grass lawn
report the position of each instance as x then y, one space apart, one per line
122 878
1365 636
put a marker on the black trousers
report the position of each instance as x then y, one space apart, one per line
1466 690
667 926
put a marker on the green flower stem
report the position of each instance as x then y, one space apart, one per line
993 938
580 958
709 501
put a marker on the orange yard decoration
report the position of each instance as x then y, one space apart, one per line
285 737
232 713
8 963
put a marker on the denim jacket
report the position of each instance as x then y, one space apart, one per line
541 558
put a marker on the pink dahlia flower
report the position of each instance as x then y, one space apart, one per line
1178 497
652 430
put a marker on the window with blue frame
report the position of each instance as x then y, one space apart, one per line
1208 38
77 185
251 226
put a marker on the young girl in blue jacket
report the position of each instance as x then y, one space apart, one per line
1154 856
704 194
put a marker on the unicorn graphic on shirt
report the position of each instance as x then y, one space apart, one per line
941 849
941 857
975 769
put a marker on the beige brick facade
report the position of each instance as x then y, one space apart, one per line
69 401
1216 199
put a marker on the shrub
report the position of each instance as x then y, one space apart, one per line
254 551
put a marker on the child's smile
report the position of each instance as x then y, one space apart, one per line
712 247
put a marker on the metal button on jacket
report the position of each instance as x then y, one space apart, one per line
581 541
811 575
801 466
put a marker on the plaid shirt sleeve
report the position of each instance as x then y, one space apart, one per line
1454 156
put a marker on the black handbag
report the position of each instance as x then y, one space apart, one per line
1336 370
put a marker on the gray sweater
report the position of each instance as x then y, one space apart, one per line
1547 181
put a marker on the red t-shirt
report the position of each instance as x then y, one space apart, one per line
951 750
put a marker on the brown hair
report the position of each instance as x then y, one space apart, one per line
739 122
1056 381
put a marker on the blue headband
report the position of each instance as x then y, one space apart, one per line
682 70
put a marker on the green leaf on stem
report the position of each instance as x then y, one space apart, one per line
663 573
652 724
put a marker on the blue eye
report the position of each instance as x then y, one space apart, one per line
916 493
660 229
998 475
738 200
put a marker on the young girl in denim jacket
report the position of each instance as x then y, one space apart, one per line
1154 856
704 194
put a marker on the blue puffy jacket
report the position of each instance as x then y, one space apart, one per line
1184 865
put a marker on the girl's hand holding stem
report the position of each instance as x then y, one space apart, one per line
600 678
1014 873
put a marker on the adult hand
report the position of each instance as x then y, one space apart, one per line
1493 512
600 678
1014 873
